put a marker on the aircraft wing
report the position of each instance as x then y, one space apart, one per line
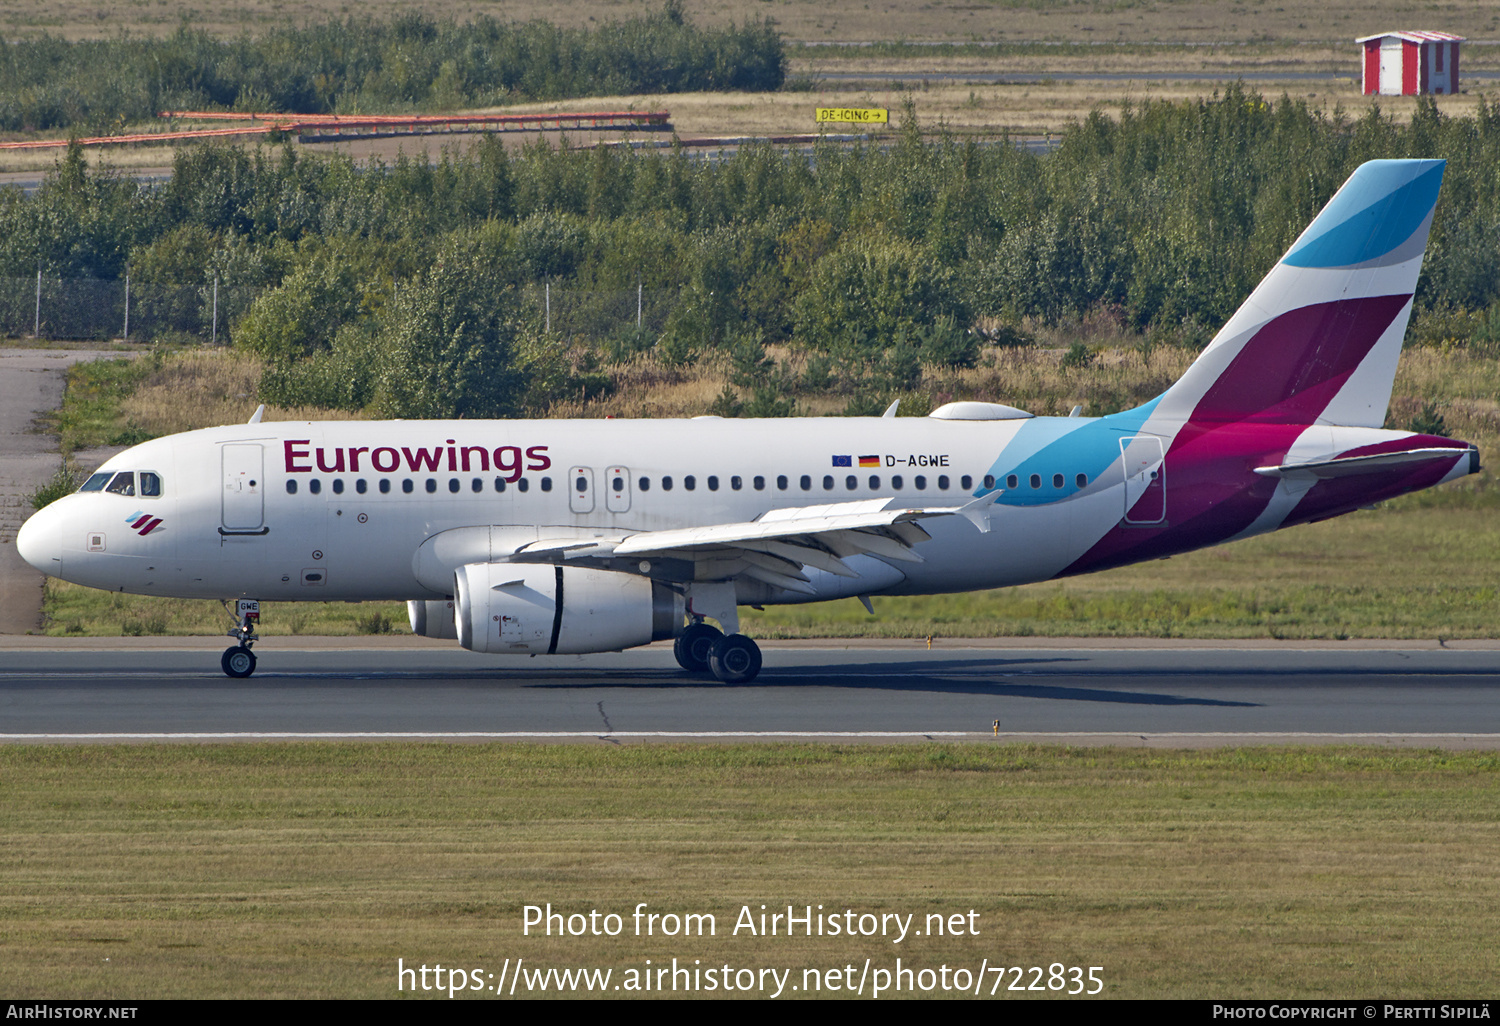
776 546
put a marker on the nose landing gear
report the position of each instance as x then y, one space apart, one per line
238 661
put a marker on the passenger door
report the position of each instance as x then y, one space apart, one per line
1145 480
244 510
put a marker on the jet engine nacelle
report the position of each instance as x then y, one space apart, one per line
433 619
536 610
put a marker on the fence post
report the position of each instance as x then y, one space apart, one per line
215 330
546 292
36 331
126 336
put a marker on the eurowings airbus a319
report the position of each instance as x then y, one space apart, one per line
543 537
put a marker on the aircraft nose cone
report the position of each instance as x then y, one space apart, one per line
40 541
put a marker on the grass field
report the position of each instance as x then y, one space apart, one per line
1100 21
308 870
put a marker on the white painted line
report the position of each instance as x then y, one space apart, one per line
270 735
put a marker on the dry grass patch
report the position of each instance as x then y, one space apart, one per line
1098 21
207 388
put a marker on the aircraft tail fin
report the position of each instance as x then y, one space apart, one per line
1319 338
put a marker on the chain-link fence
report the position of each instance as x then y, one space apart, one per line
597 314
90 308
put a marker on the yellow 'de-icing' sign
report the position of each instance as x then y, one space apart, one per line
860 115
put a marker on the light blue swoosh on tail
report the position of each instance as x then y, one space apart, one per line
1381 206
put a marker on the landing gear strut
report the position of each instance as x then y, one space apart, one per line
238 660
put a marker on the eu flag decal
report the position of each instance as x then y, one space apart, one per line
843 461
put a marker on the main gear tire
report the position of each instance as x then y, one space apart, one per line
695 645
735 659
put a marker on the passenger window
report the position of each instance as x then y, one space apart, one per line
989 480
315 486
523 484
406 486
360 486
736 483
781 482
851 482
966 482
618 484
96 482
666 482
476 486
431 485
1082 480
500 484
385 486
828 482
896 482
644 484
338 486
291 486
759 483
123 484
1036 480
1012 481
1057 480
150 484
874 483
943 482
920 482
690 482
453 485
546 484
806 483
713 483
581 485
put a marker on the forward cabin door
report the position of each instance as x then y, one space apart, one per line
1145 480
244 508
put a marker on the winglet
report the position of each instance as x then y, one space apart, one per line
890 411
260 411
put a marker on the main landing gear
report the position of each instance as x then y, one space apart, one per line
733 659
238 660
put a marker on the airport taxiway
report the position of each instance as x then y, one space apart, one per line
1409 694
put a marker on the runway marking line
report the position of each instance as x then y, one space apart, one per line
280 735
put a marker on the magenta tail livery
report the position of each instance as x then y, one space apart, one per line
536 537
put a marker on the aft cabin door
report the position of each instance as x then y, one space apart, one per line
244 487
1145 480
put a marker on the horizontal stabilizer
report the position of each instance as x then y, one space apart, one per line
1352 465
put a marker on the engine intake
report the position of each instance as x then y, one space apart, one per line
534 610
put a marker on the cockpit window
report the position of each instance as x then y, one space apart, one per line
150 483
123 484
96 481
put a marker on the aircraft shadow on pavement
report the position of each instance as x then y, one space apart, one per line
964 677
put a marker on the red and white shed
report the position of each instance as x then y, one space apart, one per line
1411 63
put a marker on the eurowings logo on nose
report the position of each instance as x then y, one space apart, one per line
143 523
